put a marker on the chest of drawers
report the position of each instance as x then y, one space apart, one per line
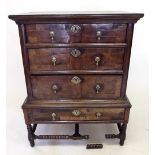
76 69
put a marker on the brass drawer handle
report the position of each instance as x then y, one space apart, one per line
52 35
55 88
54 61
75 28
98 114
97 60
76 80
76 112
75 53
98 88
53 116
98 33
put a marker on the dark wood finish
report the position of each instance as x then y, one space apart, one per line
76 69
77 17
75 45
110 87
110 33
66 114
41 59
122 133
64 137
30 135
25 59
79 72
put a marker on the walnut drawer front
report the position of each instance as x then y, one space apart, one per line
76 86
76 33
78 114
55 59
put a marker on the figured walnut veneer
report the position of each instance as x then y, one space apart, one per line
76 69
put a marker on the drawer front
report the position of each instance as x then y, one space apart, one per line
73 33
55 59
79 114
76 86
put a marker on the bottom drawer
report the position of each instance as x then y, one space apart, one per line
79 114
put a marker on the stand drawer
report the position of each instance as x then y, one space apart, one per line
78 114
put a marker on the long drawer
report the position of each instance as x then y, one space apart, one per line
73 33
56 59
76 86
78 114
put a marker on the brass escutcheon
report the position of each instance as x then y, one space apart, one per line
76 80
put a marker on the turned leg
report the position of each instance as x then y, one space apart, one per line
76 134
34 128
30 135
119 126
123 134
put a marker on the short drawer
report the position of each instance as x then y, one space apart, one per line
78 114
56 59
76 33
76 86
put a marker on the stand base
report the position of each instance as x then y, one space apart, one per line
76 136
31 135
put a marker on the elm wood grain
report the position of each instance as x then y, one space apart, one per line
86 89
110 33
41 59
75 45
86 17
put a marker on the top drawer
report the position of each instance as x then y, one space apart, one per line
76 33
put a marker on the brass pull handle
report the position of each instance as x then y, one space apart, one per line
75 53
75 28
98 33
76 80
53 116
98 88
54 61
98 114
52 35
55 88
97 60
76 112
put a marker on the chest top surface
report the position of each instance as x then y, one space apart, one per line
81 16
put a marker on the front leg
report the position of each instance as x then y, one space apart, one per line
123 133
30 135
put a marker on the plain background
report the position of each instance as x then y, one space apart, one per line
137 90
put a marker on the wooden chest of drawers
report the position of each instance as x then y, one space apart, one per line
76 69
